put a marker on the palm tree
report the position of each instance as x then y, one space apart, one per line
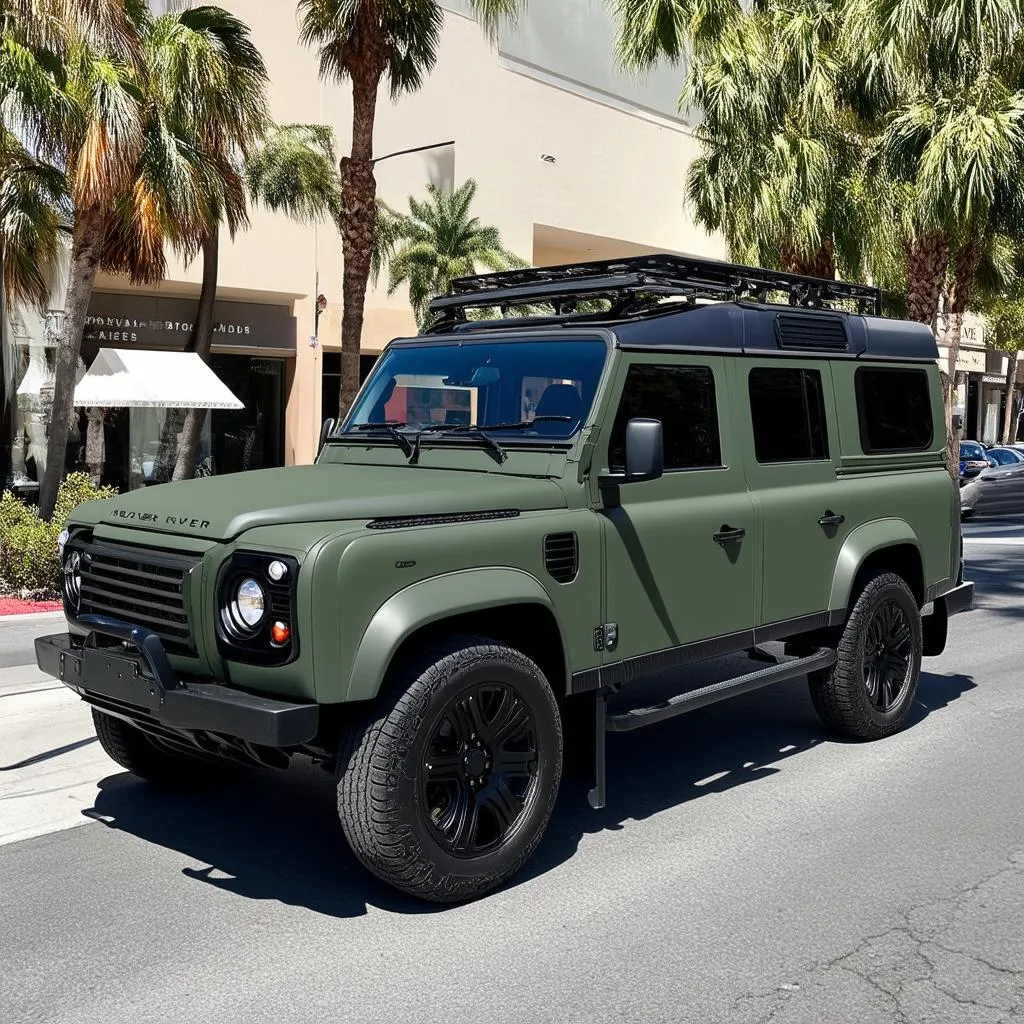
70 79
207 83
948 90
436 242
782 173
367 42
32 211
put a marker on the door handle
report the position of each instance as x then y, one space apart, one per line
830 518
729 533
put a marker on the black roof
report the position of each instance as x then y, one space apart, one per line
724 308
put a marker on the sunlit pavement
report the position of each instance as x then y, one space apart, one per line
748 867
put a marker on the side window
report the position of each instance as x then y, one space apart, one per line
895 410
683 398
787 408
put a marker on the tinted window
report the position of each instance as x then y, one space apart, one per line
683 398
787 408
895 410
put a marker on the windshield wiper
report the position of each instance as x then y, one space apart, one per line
391 428
480 430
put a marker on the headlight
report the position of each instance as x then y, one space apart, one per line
256 608
248 606
62 539
72 580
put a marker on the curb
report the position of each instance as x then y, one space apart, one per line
29 616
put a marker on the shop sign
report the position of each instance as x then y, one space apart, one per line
159 322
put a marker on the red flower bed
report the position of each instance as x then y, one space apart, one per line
16 606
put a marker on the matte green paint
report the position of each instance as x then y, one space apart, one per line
647 562
863 541
429 601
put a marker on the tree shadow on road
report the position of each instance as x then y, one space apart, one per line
275 835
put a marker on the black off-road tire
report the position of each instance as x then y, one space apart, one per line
136 752
841 694
382 771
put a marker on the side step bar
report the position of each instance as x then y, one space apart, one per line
637 718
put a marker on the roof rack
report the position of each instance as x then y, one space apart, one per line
660 274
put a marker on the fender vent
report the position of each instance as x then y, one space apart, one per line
811 333
561 556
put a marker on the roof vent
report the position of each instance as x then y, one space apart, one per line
561 556
810 332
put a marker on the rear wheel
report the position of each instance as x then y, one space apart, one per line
447 791
151 760
868 692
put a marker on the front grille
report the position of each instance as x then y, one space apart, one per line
145 588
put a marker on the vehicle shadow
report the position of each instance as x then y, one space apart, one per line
708 751
275 836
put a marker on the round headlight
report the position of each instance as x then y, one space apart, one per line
72 571
250 604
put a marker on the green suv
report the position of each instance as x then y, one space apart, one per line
523 513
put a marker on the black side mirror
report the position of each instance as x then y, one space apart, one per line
325 432
645 450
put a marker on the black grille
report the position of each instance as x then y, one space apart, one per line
561 557
807 332
146 588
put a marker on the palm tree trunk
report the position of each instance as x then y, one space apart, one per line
965 269
358 223
201 342
85 252
94 444
6 400
1011 381
927 264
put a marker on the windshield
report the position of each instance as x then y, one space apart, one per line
431 386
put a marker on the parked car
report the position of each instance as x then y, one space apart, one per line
995 491
1004 455
973 459
430 608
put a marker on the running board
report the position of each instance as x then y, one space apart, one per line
637 718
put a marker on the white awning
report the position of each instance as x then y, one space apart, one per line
125 378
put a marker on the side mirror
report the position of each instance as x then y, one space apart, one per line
645 450
325 432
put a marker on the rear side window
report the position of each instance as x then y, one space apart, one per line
787 410
683 398
895 410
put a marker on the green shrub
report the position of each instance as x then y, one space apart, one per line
29 563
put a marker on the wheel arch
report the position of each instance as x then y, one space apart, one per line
507 604
883 545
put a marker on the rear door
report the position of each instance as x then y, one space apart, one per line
790 440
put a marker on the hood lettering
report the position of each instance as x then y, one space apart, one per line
188 522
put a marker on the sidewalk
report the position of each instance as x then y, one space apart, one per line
50 761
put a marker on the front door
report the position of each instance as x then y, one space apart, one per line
788 433
680 552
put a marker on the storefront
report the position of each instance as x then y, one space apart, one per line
253 354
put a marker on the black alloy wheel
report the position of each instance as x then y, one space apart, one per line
446 786
480 769
887 657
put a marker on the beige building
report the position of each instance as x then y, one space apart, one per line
573 161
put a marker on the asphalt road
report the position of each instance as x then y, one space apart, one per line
748 868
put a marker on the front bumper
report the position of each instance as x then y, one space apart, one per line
135 680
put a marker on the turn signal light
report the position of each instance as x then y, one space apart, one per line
280 633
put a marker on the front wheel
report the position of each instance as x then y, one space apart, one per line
149 759
448 790
868 692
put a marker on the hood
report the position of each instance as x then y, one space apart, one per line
222 507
